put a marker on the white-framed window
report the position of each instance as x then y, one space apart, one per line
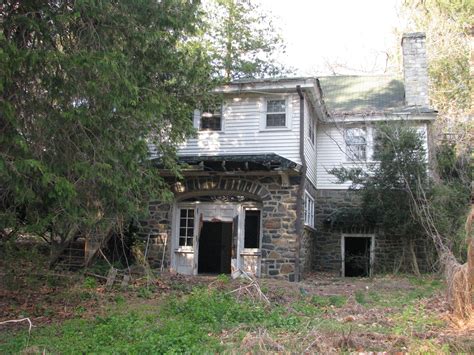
186 227
308 209
276 113
356 143
311 130
211 119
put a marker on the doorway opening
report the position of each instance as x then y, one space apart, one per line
357 256
215 248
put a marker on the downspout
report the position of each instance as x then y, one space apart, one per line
301 190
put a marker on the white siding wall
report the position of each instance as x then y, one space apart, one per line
243 133
309 147
330 152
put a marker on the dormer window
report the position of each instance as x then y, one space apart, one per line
276 113
211 120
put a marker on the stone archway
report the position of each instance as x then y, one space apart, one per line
279 216
221 185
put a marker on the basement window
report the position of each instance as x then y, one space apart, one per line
252 229
186 227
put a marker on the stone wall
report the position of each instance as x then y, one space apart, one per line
279 240
388 250
158 229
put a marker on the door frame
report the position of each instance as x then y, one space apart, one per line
371 250
199 207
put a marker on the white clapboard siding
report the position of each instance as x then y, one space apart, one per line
309 147
242 132
330 152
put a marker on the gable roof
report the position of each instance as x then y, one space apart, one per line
349 94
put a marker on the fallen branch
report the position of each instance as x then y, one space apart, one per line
19 320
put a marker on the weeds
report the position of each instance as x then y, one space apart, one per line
210 320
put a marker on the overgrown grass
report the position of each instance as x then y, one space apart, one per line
195 321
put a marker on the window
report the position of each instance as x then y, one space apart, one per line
186 227
276 113
356 144
376 144
252 229
211 120
308 210
311 130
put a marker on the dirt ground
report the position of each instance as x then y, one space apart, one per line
385 312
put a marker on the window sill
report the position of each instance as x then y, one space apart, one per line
209 131
184 250
308 227
275 129
251 252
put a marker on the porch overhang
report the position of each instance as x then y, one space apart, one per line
242 163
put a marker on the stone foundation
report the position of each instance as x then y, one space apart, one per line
388 250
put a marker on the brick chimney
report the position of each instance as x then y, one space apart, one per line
415 69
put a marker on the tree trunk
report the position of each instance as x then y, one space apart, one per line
414 261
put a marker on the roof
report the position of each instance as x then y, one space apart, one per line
362 94
342 94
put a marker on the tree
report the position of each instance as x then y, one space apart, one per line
448 26
386 186
86 87
243 40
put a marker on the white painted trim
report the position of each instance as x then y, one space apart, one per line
288 113
239 209
371 250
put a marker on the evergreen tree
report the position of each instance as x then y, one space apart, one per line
243 40
86 87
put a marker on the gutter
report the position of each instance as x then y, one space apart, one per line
301 190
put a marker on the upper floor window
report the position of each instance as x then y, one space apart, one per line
356 144
276 113
211 120
308 210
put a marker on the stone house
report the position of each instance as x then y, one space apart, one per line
256 193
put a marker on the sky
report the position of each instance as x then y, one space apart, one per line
342 36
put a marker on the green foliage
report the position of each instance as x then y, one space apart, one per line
327 301
211 321
90 282
450 197
243 40
86 86
360 297
214 309
448 26
388 187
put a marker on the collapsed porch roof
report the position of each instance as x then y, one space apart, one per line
237 163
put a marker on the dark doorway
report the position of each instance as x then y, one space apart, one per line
357 257
215 248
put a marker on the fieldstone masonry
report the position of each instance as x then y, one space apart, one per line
415 69
279 241
327 245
